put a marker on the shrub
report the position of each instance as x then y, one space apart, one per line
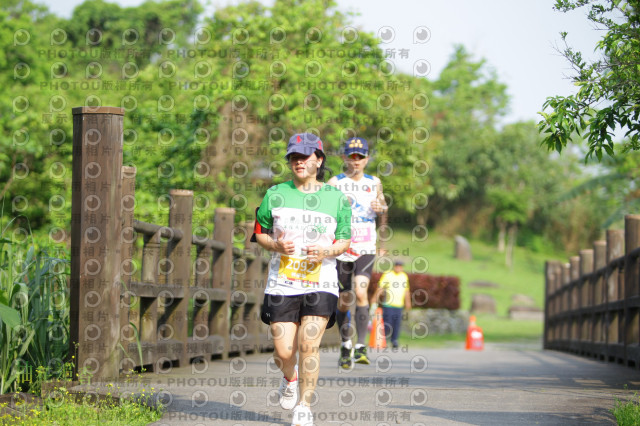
34 314
428 291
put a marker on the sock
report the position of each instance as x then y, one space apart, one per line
343 325
295 378
362 322
295 371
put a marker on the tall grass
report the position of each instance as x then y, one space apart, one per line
34 313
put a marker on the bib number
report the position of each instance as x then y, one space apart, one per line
300 269
361 235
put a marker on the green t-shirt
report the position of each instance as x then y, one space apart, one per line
317 218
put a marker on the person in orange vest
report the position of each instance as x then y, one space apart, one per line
393 286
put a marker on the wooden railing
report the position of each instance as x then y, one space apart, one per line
592 305
166 300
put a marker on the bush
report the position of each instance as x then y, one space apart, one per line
34 314
427 291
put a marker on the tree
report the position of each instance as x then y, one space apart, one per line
616 187
25 184
518 173
300 66
468 100
609 87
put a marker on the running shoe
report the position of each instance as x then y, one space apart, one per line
288 392
302 416
345 361
360 355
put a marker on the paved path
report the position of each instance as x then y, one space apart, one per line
502 385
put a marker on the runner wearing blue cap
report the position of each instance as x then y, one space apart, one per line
354 266
306 224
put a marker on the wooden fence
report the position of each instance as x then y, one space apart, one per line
592 305
184 298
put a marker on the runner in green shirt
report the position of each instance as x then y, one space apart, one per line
305 224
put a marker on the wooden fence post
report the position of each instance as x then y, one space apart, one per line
574 299
96 227
586 268
550 306
599 262
238 331
179 253
566 301
201 300
615 250
598 317
222 274
254 286
631 312
127 267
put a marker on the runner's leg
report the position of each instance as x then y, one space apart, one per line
361 285
285 347
345 300
310 334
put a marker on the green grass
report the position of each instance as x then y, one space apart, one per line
627 413
34 343
61 408
526 277
494 328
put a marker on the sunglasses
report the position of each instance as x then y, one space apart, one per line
355 157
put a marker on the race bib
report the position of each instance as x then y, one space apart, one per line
361 235
300 269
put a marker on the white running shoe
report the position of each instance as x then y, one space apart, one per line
302 416
288 392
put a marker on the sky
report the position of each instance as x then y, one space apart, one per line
518 39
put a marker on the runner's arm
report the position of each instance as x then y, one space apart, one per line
379 205
268 243
316 253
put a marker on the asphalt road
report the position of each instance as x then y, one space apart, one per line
501 385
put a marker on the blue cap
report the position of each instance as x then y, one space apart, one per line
304 143
356 146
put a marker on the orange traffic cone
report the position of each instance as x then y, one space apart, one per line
377 338
475 337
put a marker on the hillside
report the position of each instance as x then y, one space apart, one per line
526 277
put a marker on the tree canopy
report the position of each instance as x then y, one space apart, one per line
608 97
210 102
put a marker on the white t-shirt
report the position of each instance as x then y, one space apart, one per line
361 193
319 218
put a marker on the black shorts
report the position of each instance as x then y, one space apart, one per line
346 270
278 308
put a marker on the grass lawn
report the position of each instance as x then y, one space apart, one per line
526 277
495 329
